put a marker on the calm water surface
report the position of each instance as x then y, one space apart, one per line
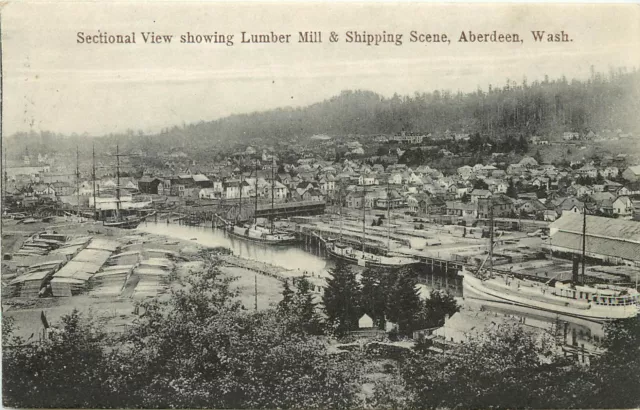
288 257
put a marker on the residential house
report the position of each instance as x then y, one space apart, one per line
431 205
208 193
528 162
623 206
368 179
395 178
149 185
570 204
497 186
632 174
63 188
202 181
461 209
588 170
393 200
570 136
477 194
579 190
44 190
531 206
609 172
465 172
231 189
502 205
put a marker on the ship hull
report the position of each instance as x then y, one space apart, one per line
271 242
377 264
474 288
123 224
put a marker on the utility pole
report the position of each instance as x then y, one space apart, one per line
340 194
78 179
388 218
491 237
93 177
255 291
255 212
584 239
6 178
117 182
364 216
240 204
273 182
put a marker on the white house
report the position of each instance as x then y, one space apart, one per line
623 206
365 322
208 193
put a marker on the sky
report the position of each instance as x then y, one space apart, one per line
50 82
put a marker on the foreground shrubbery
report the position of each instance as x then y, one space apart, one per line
198 350
201 349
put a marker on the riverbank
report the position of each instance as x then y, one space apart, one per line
115 311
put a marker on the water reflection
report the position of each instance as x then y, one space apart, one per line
283 256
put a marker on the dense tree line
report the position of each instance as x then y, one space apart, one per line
603 101
510 367
385 296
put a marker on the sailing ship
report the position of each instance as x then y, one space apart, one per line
118 220
597 303
347 253
255 232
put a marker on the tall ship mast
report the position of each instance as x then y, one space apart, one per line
340 250
119 220
596 303
256 232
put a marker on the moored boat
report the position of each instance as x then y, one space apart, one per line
262 234
122 222
353 256
597 303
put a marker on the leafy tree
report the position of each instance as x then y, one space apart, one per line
341 299
434 310
505 367
198 349
286 304
616 371
480 184
538 157
305 308
63 371
512 192
403 303
373 296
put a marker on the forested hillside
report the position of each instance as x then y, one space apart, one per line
604 101
539 107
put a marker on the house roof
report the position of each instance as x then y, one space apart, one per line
635 169
618 229
200 178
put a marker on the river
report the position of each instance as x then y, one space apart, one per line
288 257
291 257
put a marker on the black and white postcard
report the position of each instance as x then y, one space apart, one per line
320 205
